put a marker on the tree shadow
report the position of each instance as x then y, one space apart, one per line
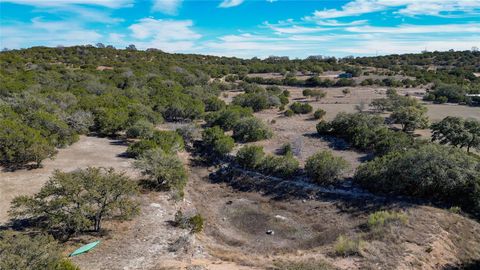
333 142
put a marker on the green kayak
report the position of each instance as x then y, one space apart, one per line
84 248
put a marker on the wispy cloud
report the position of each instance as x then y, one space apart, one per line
63 3
168 35
169 7
405 7
230 3
418 29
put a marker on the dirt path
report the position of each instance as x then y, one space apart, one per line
88 151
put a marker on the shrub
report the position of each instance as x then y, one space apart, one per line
250 157
228 118
319 114
195 223
215 143
253 158
288 113
165 170
79 201
317 94
286 149
256 101
169 141
251 130
324 168
430 171
301 108
20 145
214 104
137 149
189 133
282 166
345 246
141 129
383 218
109 121
441 99
323 127
283 100
41 252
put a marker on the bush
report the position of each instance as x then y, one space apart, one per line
324 168
253 158
20 145
214 104
256 101
345 246
79 201
41 252
301 108
319 114
323 128
251 130
250 157
165 170
288 113
138 148
283 166
228 118
109 121
169 141
431 171
194 223
317 94
381 219
215 143
141 129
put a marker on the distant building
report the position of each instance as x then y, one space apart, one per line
345 75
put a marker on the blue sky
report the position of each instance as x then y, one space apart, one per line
246 28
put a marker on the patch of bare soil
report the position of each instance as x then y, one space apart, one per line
88 151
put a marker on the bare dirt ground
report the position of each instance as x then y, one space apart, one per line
88 151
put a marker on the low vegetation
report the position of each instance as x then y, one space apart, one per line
40 252
78 201
325 168
431 171
345 246
254 158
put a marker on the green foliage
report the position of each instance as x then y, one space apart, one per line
21 144
140 129
165 170
79 201
301 108
319 114
214 104
314 93
136 149
345 246
169 141
324 168
250 157
256 101
251 130
229 117
195 223
254 158
411 117
381 219
41 252
215 143
457 132
289 113
365 132
109 121
431 171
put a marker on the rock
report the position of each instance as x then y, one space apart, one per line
270 232
280 217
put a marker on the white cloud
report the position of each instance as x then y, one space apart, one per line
169 7
337 23
167 35
295 29
63 3
418 29
230 3
39 32
405 7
